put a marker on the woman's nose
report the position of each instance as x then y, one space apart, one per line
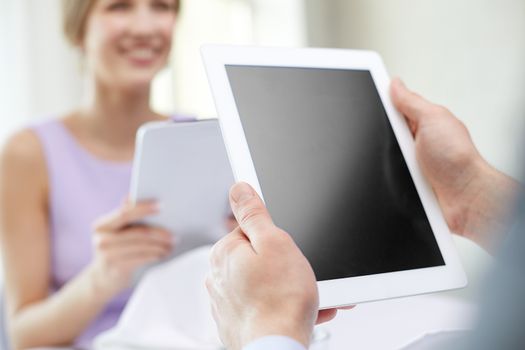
143 22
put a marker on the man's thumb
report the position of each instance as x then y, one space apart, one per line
250 212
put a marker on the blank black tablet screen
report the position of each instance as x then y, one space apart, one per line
331 170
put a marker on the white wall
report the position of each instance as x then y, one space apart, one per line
40 75
261 22
468 55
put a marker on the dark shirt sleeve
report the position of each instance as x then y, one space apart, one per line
501 322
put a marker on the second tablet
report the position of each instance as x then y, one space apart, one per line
185 167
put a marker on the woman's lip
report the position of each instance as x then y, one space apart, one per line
143 58
142 62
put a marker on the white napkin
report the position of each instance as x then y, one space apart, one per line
169 309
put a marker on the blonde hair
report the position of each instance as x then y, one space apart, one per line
75 16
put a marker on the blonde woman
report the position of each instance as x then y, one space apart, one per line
69 256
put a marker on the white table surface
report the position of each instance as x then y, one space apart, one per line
392 324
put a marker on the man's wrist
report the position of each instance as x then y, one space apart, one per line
275 342
487 206
297 328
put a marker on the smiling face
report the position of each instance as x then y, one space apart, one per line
127 42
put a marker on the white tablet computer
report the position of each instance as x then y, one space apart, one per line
184 166
315 133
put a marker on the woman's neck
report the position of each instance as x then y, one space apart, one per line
112 116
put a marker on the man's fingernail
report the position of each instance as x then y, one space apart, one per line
241 192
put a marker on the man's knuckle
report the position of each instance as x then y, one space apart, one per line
406 99
217 247
216 252
439 110
250 213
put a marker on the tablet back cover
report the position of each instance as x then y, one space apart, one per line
185 167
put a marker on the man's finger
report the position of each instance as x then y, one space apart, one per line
325 316
410 104
250 212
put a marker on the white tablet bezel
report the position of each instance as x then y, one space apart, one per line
351 290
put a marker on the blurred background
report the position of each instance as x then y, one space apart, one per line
467 55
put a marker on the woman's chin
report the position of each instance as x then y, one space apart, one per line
134 78
136 84
130 80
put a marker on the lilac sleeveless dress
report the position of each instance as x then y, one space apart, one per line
82 188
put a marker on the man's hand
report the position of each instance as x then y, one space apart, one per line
473 195
260 283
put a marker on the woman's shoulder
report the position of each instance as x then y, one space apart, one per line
22 155
22 144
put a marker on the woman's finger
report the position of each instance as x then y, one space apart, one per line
127 215
133 236
130 252
132 264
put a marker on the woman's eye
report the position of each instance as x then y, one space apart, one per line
164 5
119 6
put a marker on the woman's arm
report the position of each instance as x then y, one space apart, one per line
34 317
